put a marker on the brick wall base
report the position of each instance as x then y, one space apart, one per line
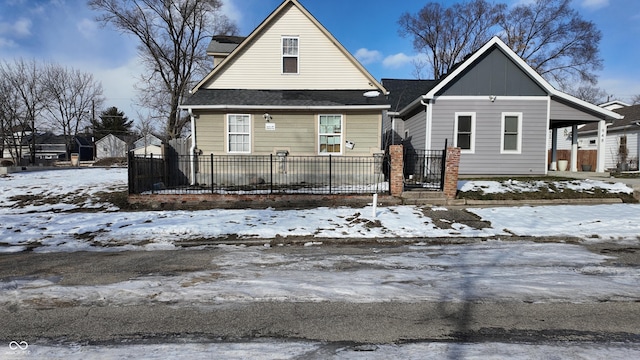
452 168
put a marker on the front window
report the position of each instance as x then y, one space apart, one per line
330 133
465 132
239 133
289 55
511 133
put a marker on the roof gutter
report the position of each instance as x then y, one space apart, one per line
277 107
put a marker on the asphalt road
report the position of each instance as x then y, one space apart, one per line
325 321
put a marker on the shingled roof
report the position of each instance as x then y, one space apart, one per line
631 116
229 98
404 92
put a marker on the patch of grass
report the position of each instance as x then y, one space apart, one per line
551 189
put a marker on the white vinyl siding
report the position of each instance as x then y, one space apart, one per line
322 65
465 132
511 140
239 133
290 54
330 134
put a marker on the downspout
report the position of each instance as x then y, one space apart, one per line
194 146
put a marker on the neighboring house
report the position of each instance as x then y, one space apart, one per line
148 145
221 46
51 147
494 107
621 134
289 87
111 146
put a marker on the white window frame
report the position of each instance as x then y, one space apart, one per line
297 55
229 133
340 134
519 134
472 141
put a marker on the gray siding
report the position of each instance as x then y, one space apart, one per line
562 111
487 158
494 74
416 127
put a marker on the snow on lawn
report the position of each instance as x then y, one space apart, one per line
263 349
517 186
58 211
491 270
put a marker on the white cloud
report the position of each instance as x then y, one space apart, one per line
401 59
6 43
230 9
87 27
366 56
595 4
20 28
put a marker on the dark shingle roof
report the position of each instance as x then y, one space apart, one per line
224 43
243 97
631 115
404 92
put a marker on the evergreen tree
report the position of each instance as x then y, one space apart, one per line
112 121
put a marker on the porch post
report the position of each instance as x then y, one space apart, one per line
554 150
601 142
574 148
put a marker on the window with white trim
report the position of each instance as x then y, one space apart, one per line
465 129
330 134
511 141
239 133
290 54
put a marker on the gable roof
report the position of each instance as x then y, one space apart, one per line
224 44
496 42
631 119
272 18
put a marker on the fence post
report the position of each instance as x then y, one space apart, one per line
330 173
130 168
211 157
271 173
396 177
451 173
443 167
153 175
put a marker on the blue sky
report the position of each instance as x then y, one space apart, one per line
64 31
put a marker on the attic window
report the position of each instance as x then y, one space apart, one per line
289 55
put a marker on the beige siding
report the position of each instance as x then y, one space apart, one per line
296 132
210 133
322 66
364 131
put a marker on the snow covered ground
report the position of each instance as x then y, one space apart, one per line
58 211
274 349
54 211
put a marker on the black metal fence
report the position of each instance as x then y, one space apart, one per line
257 174
424 169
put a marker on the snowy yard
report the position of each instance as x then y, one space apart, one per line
60 211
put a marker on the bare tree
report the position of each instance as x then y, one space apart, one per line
635 100
173 36
554 40
447 35
71 96
23 77
548 34
589 93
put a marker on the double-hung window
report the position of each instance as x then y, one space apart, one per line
465 128
511 133
239 133
330 134
290 53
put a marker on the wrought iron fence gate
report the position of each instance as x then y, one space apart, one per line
424 169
